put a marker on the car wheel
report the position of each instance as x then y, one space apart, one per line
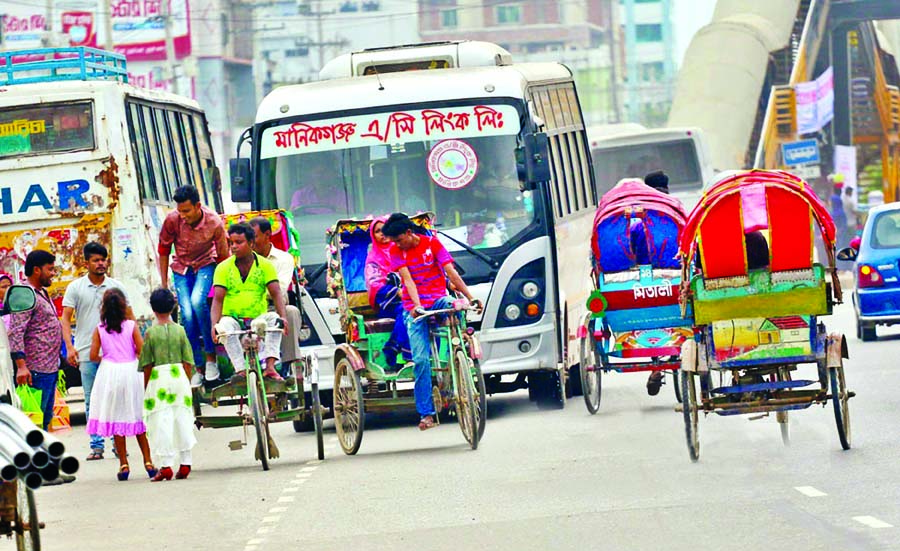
867 332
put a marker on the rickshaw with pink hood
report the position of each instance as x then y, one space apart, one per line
372 371
634 323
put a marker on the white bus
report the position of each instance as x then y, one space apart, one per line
630 151
85 156
373 138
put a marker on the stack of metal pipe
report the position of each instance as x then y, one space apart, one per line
28 453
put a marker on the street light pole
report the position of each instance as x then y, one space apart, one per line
166 14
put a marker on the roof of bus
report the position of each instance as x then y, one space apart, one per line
406 87
597 138
40 92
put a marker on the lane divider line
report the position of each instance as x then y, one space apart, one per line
278 509
809 491
290 489
308 469
255 541
286 499
872 522
262 530
271 520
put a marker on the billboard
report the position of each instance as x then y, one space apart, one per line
138 30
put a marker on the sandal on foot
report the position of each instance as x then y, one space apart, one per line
94 455
272 375
164 474
427 422
183 472
151 470
123 473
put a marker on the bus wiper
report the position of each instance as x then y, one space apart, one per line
475 252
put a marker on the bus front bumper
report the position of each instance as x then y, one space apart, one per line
519 349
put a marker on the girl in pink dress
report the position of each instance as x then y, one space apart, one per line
117 401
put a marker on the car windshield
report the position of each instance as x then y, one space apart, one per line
886 230
469 180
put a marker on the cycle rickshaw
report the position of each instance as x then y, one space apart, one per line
634 322
754 324
261 402
362 382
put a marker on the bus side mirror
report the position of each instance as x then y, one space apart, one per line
19 298
240 180
533 160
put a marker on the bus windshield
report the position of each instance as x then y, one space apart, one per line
466 175
678 158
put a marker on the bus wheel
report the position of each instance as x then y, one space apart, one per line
549 389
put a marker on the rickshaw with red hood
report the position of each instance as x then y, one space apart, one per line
756 295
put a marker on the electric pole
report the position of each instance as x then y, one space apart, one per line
166 14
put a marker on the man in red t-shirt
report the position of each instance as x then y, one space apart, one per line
424 266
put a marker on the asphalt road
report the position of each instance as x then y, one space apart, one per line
565 479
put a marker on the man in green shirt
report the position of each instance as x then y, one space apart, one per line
240 284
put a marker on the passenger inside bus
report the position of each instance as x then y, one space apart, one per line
324 191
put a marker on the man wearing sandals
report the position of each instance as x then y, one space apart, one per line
83 297
424 266
240 284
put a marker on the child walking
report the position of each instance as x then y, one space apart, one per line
117 400
166 361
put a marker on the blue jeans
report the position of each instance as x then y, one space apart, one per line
88 374
420 342
390 306
193 290
46 383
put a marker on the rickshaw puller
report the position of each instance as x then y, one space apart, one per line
240 284
424 266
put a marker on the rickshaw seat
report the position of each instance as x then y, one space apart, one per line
379 325
760 294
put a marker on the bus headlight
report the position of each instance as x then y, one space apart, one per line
512 312
530 290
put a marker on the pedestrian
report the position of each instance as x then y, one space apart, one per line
198 236
166 361
117 405
842 237
35 339
385 294
83 298
5 283
35 336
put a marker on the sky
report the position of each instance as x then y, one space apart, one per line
688 16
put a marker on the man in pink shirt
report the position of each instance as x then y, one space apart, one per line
424 266
198 237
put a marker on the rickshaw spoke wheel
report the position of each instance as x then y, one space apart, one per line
259 417
691 414
480 397
591 374
349 408
466 409
28 530
841 400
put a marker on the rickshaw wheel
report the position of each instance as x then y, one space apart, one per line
591 375
466 408
481 397
691 415
349 406
260 419
783 418
676 385
317 421
840 398
27 539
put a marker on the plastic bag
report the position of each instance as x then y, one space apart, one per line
61 421
30 402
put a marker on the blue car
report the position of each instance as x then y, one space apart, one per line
876 298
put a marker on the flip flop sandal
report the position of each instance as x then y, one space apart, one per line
427 423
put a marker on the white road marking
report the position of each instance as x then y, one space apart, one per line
278 509
304 475
809 491
291 489
271 520
250 548
298 481
255 541
286 499
313 462
262 530
308 469
872 522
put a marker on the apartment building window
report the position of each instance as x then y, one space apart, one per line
449 18
508 15
649 33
